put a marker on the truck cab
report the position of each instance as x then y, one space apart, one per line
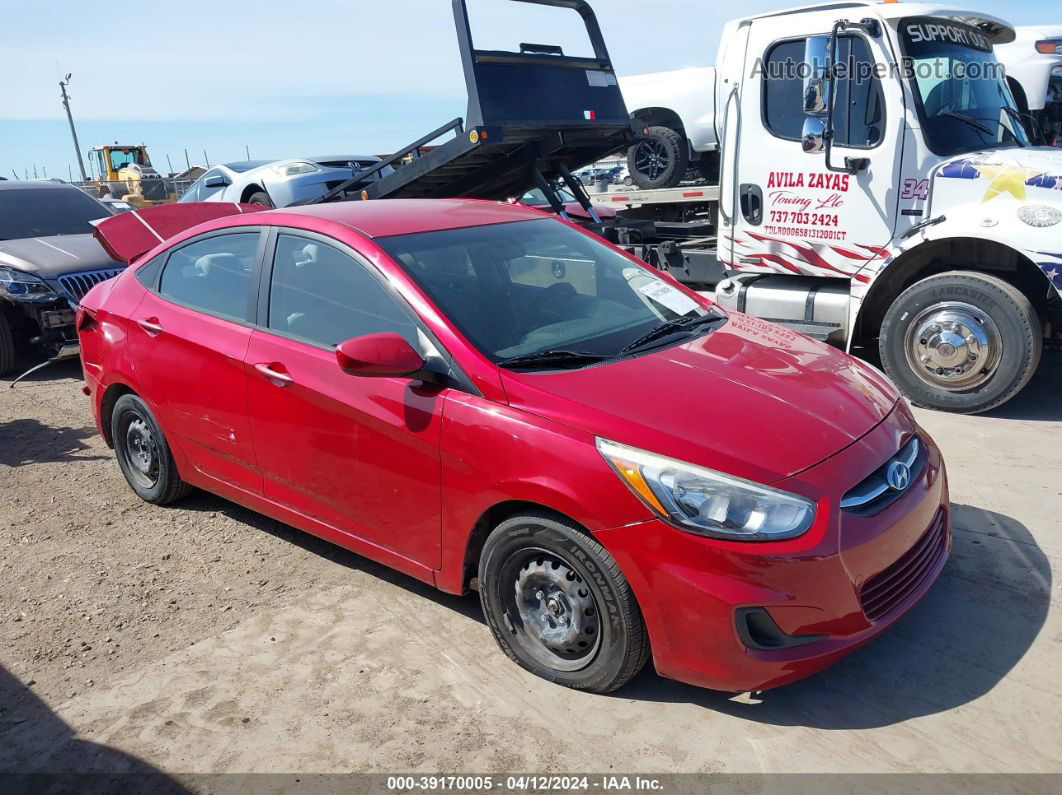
877 186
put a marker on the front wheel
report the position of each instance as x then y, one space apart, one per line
961 341
261 198
558 605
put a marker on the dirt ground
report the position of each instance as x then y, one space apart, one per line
205 638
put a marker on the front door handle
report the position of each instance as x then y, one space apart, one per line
151 325
276 377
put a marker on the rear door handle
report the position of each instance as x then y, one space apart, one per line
151 325
276 377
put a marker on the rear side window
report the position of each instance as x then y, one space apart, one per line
213 275
323 295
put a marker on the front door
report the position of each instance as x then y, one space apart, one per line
188 346
792 215
358 454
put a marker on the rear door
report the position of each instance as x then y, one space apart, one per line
791 213
188 341
358 454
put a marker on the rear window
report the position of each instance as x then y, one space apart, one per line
43 212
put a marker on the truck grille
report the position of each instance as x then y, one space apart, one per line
75 285
887 589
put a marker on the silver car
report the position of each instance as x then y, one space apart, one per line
275 183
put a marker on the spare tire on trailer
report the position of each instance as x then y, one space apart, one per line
659 160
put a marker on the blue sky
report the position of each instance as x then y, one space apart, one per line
290 79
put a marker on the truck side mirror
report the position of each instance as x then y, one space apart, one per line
816 78
813 138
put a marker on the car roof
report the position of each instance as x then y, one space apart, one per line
390 217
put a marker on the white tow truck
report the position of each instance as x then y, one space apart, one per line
865 178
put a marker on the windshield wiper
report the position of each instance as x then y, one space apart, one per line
972 122
1017 116
668 327
552 358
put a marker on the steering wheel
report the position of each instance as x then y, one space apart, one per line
555 293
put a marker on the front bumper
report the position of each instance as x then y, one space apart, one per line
693 590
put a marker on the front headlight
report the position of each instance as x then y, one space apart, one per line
23 286
706 502
291 169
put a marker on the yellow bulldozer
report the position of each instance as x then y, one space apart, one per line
125 172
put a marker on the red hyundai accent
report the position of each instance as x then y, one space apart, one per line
484 397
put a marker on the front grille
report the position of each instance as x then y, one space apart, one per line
883 592
874 493
75 285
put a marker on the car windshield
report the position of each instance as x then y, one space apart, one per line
540 287
43 212
961 89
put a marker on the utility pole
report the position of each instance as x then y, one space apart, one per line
35 171
45 171
187 162
69 173
69 117
247 149
207 159
170 164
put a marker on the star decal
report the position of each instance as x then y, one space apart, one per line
1006 179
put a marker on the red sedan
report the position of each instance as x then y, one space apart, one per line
486 398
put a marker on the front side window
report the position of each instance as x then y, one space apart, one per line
859 104
204 192
960 89
321 294
212 275
524 288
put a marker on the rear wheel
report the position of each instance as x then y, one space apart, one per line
559 606
261 198
660 160
961 341
143 453
7 345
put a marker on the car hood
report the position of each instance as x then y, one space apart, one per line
751 399
1031 173
51 257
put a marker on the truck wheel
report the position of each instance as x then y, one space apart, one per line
7 345
143 453
961 341
558 605
659 161
261 198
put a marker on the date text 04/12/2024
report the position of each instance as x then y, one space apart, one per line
528 783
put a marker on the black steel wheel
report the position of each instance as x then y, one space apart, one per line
559 606
143 453
659 160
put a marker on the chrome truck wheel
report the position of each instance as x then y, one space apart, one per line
954 346
961 341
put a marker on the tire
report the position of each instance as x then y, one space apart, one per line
961 341
564 568
143 454
660 160
628 181
7 345
261 198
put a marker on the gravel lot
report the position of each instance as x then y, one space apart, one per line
205 638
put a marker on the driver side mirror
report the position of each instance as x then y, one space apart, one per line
385 355
817 79
813 137
216 181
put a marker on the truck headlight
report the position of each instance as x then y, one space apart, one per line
291 169
21 286
706 502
